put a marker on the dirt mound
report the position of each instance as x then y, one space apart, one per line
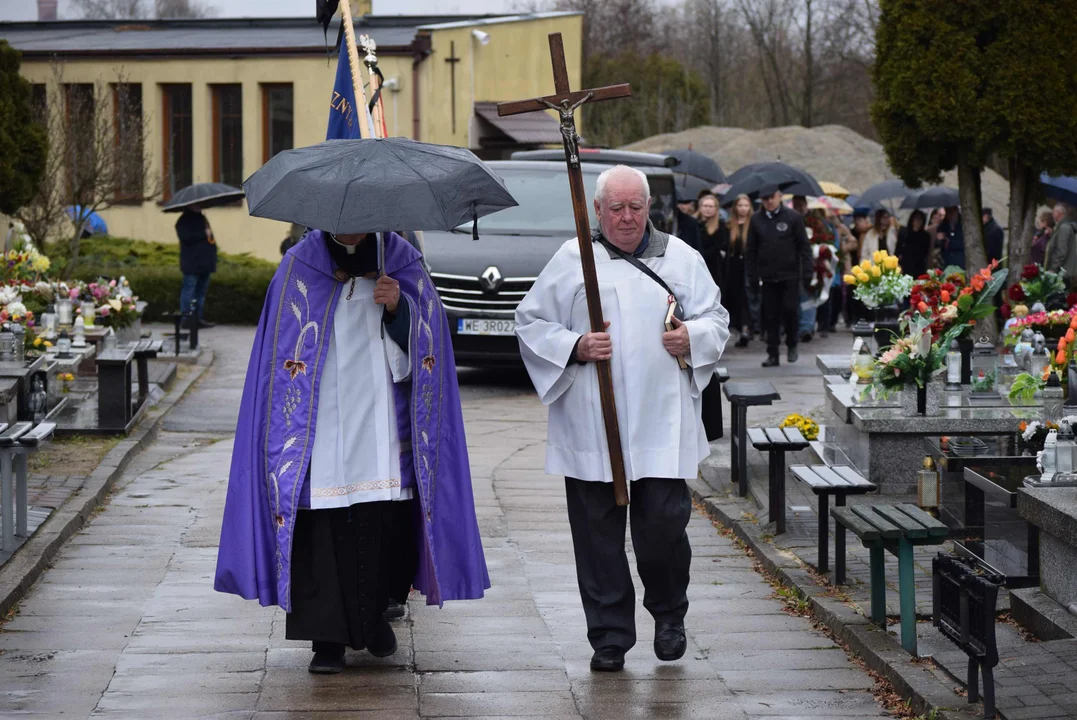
830 152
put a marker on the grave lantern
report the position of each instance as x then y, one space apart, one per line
984 368
1038 362
953 366
1052 399
928 490
65 312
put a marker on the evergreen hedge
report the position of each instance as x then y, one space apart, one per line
236 291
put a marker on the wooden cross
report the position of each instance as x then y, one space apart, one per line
565 102
452 60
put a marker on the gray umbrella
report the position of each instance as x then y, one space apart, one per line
206 195
932 197
885 190
376 185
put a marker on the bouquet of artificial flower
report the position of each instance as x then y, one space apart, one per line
879 283
807 427
1038 285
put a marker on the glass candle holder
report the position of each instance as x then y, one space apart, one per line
65 312
984 368
88 312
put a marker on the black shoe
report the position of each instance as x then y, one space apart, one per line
328 659
743 342
395 611
383 641
806 337
793 355
824 334
206 324
771 361
669 641
608 659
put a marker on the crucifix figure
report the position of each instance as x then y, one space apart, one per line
452 60
565 102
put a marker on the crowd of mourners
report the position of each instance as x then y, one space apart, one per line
784 274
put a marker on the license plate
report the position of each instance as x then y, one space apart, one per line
485 326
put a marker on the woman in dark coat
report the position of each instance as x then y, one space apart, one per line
734 288
914 245
198 260
713 238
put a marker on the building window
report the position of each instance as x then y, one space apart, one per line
80 142
39 104
178 138
277 123
228 134
127 127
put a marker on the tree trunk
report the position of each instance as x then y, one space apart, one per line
1024 184
809 61
73 251
972 227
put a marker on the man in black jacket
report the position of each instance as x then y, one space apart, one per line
780 256
994 237
198 260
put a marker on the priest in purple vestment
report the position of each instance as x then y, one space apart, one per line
350 480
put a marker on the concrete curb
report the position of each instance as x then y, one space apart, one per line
31 560
878 649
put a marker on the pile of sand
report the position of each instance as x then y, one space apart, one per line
830 152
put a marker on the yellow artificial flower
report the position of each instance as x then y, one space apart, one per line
898 270
850 279
865 264
878 256
48 344
875 271
890 262
37 342
41 264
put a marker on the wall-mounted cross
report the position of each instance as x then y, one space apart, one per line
452 60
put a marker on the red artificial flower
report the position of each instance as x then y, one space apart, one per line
1071 299
948 287
1017 293
1006 311
925 276
1030 272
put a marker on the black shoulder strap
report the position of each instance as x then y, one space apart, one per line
640 265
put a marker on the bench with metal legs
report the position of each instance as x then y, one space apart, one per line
741 395
777 442
16 442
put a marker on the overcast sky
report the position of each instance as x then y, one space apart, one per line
27 9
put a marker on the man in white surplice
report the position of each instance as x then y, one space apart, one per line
658 408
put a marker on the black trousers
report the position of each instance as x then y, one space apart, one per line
660 510
781 309
346 564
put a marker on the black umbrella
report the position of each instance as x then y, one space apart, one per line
689 186
376 185
750 184
932 197
206 195
798 181
886 190
698 164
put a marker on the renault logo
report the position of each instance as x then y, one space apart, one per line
491 279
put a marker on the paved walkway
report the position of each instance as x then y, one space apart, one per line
126 624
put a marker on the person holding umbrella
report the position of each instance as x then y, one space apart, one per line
198 260
779 256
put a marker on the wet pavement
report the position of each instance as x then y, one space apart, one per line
126 624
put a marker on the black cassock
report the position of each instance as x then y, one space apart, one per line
348 562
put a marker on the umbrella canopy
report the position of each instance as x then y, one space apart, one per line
376 185
932 197
793 180
833 189
836 205
205 195
94 224
886 190
751 183
689 186
1060 188
698 164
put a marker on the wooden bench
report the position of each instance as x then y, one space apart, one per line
144 350
16 442
741 395
895 529
839 481
777 441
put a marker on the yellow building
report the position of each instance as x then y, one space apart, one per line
219 97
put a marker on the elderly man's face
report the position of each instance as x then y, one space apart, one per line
1059 211
771 202
623 212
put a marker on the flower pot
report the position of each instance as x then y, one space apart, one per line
917 401
129 334
886 326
